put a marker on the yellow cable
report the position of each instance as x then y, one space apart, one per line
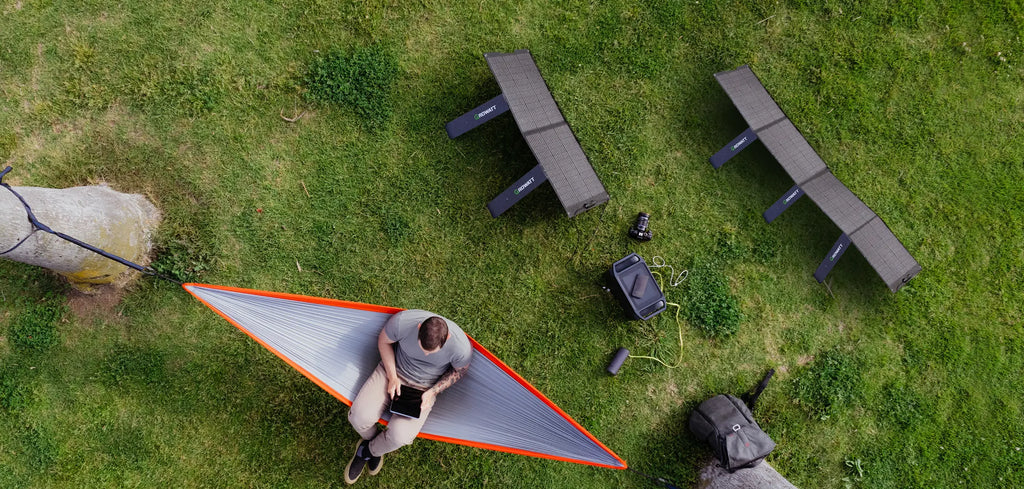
680 324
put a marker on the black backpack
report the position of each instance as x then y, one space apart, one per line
727 425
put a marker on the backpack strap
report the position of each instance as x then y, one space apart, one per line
750 399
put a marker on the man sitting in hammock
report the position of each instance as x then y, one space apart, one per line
418 349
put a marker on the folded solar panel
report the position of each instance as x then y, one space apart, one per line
838 202
750 97
547 132
802 163
567 168
792 151
524 88
885 253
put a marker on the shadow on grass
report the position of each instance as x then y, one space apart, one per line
277 418
671 452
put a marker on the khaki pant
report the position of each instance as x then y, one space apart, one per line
371 401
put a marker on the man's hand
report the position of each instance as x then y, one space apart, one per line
387 358
450 377
428 398
394 386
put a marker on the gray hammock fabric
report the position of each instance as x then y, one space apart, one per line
334 343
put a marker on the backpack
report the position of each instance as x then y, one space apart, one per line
727 425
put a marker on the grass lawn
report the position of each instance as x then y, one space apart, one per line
917 106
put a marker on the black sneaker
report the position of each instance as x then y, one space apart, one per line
374 464
355 466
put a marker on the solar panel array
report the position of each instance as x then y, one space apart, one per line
546 131
868 232
792 151
838 202
885 253
750 97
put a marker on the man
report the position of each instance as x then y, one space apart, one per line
417 349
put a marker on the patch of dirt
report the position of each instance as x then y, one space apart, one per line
13 8
120 120
670 389
101 303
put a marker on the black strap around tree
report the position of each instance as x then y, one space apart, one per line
38 226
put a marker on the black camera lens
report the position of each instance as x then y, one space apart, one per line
639 231
641 221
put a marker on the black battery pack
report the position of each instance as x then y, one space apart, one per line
633 284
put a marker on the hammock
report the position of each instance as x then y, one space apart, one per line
334 344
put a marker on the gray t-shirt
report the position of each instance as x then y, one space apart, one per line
413 366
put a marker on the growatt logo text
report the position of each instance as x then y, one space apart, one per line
791 196
488 111
833 258
523 186
737 145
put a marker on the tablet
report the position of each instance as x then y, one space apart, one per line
407 403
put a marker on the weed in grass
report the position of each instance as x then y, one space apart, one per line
799 338
765 248
35 330
195 90
903 406
124 443
13 396
84 86
128 364
325 231
830 383
362 80
39 447
181 261
856 470
728 246
8 142
396 228
710 304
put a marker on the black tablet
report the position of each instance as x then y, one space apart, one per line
407 403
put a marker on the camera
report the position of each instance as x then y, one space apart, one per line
640 230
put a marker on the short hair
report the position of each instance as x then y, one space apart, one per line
433 333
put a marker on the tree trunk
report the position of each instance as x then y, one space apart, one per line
762 476
121 224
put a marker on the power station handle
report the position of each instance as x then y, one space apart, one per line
639 286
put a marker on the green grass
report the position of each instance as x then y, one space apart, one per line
916 106
832 383
363 80
35 329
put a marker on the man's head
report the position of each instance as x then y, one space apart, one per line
433 333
